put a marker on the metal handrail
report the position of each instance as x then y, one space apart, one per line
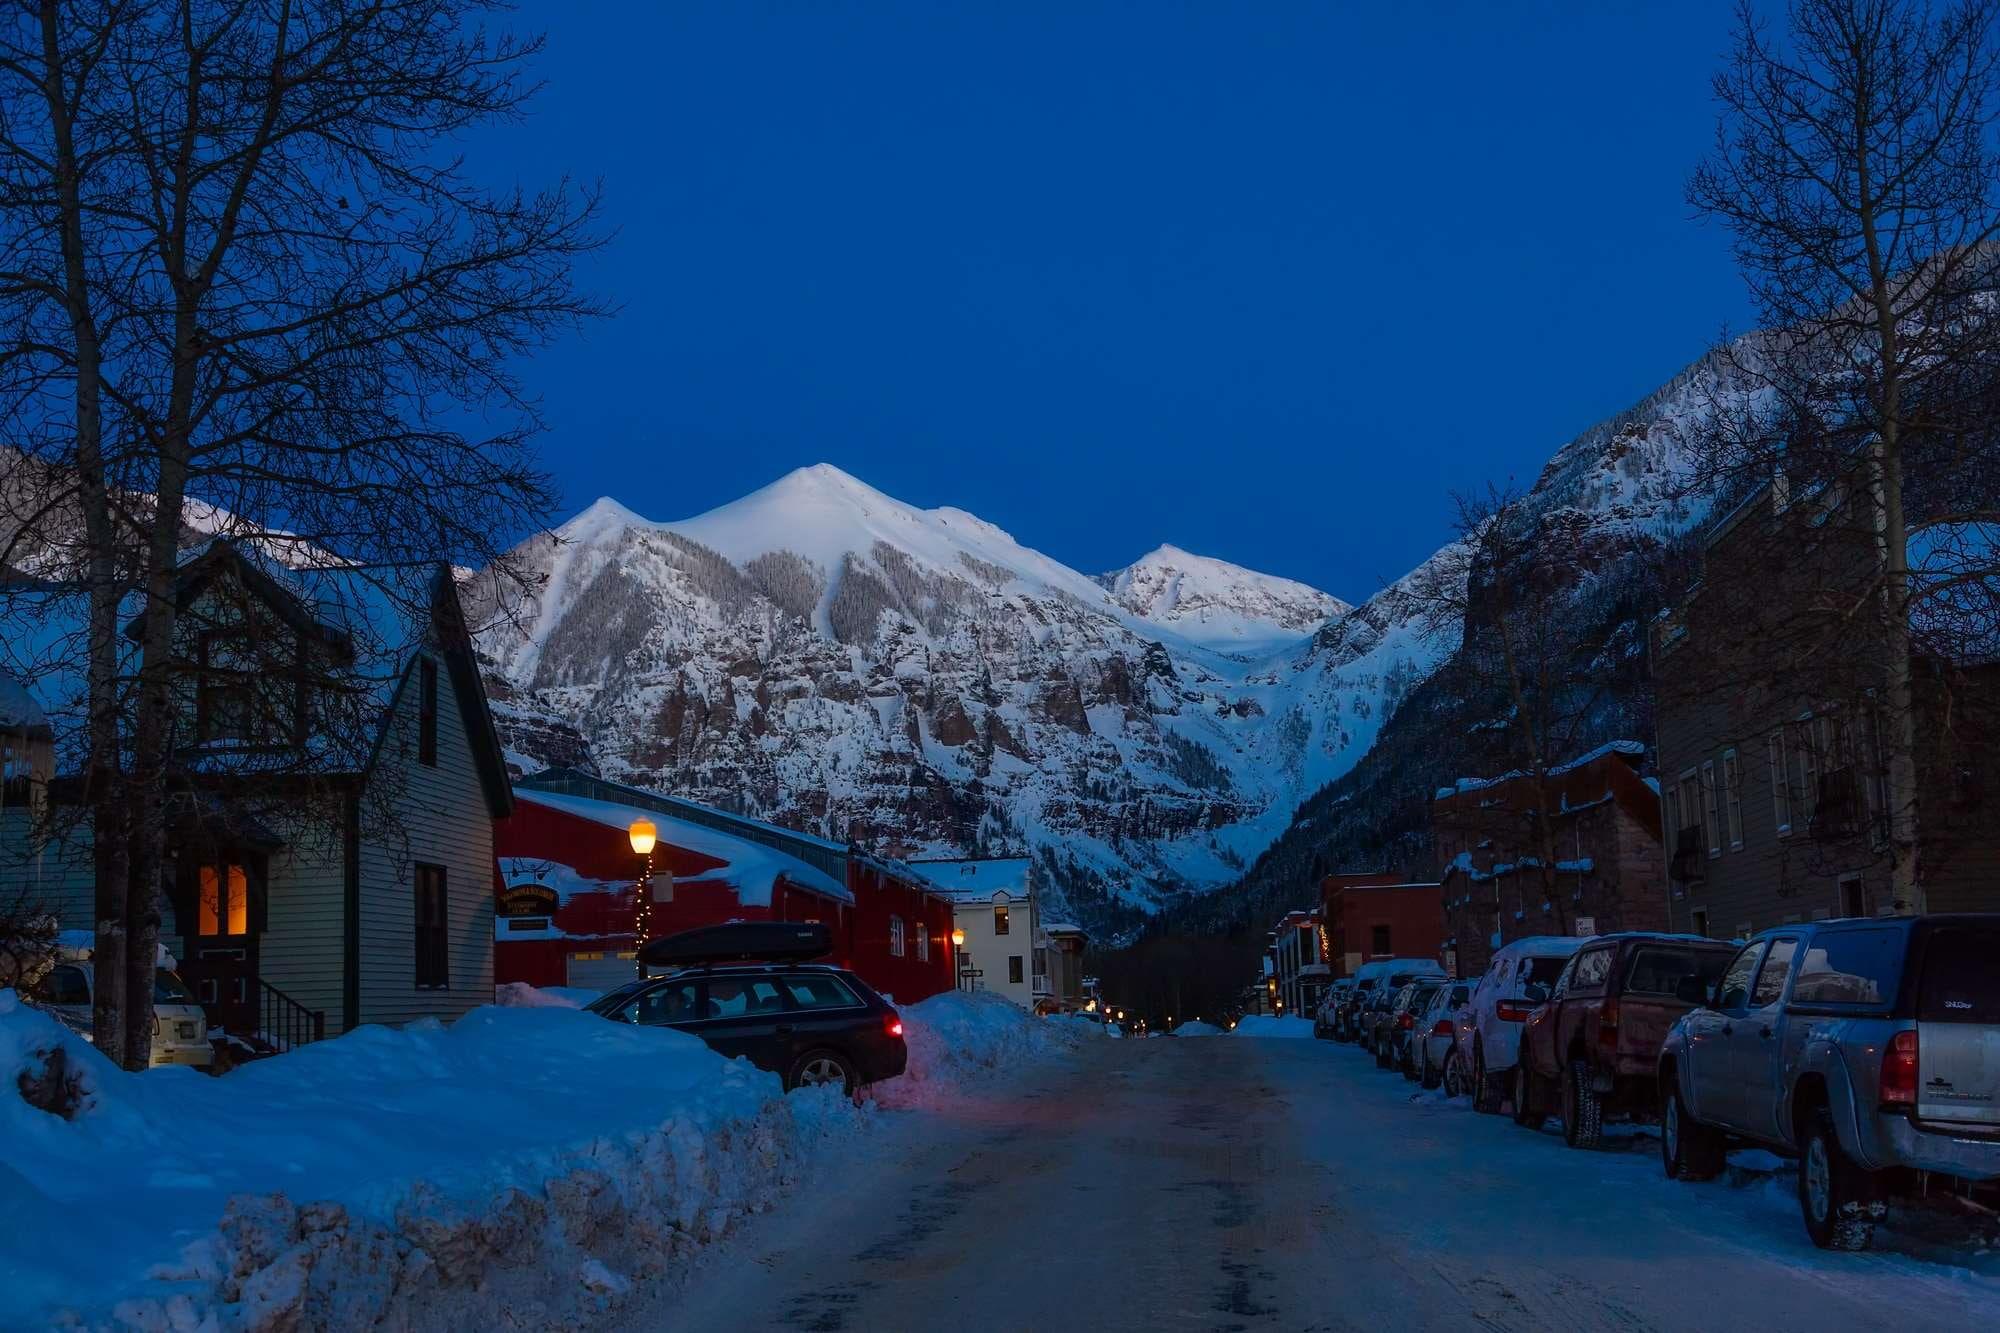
284 1022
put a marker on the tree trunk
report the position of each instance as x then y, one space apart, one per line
1899 729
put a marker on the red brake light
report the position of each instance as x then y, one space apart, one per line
1607 1024
1899 1070
893 1026
1406 1022
1443 1028
1513 1011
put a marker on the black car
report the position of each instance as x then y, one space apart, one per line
809 1023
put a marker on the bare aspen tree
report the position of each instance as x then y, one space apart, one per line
1855 164
315 340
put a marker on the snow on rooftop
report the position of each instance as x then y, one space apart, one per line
750 868
18 709
1630 749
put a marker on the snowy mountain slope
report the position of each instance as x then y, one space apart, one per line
825 656
1218 604
822 654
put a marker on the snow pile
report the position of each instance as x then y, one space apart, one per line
533 1157
961 1037
1197 1028
520 995
1273 1025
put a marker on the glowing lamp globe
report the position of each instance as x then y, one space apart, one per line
958 939
643 836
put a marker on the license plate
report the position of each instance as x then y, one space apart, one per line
187 1031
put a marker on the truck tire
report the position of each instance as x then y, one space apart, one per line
1427 1077
1839 1199
1582 1108
1381 1055
1689 1150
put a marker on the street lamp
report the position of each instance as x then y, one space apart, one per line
643 837
957 938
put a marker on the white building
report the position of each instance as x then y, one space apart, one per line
993 902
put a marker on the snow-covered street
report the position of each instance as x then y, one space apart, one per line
1243 1183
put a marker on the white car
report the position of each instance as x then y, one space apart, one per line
180 1027
1430 1053
1489 1039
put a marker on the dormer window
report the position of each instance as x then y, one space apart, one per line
243 695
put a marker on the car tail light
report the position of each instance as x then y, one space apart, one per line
1607 1024
893 1025
1406 1021
1443 1028
1899 1070
1513 1011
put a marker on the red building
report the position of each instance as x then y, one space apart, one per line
1367 917
566 879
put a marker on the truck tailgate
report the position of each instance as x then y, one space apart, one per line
1958 1028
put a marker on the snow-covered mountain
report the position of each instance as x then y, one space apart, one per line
827 656
823 655
1218 604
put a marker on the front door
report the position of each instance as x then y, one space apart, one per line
219 939
1709 1031
1758 1041
747 1017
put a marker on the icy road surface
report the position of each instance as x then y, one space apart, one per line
1226 1183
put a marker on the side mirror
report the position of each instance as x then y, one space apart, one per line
1692 990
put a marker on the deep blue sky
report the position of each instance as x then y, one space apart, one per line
1265 281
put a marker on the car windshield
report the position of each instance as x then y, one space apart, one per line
1961 984
170 989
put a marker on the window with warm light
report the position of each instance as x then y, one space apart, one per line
224 907
999 918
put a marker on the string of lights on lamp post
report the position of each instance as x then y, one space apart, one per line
644 836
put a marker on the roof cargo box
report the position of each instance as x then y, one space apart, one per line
740 941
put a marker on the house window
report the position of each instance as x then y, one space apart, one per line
923 945
1781 783
1379 941
224 907
1711 820
895 937
1808 771
1732 796
999 918
1690 811
1852 902
1014 969
427 712
433 929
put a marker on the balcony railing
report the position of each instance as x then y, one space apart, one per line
1043 987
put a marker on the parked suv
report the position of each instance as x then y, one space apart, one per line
1593 1047
1436 1027
748 991
1868 1048
1500 1004
1374 981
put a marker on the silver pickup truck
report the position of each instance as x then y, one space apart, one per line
1869 1049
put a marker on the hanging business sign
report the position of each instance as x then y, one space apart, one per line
528 900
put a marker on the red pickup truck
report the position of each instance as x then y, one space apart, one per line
1592 1045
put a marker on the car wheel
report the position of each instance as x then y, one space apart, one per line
1482 1084
1838 1197
1582 1108
1381 1056
1525 1113
1689 1150
819 1068
1427 1078
1408 1067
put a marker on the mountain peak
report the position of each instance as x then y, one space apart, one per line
1217 603
601 515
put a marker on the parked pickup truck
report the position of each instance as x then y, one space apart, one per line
1869 1049
1592 1047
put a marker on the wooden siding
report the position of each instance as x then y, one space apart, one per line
300 949
415 813
58 878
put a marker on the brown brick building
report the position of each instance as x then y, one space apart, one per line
1770 741
1369 916
1609 872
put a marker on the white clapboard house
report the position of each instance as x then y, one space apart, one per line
335 780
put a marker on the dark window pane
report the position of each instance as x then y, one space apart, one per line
1736 981
809 992
1661 971
1961 976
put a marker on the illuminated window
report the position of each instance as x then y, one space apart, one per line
225 901
999 918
